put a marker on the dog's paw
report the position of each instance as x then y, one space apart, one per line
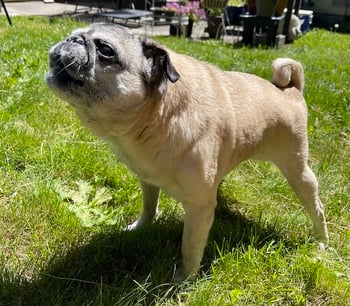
322 241
133 226
139 223
322 246
180 275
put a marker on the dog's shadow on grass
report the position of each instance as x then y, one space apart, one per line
119 267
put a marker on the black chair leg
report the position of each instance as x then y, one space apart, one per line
6 13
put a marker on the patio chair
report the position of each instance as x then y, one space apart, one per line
233 21
215 16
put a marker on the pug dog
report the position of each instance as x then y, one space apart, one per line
181 124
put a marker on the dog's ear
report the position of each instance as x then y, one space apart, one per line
159 67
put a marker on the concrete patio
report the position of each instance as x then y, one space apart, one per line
87 11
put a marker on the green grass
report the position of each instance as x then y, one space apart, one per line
65 200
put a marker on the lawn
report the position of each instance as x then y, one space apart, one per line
65 200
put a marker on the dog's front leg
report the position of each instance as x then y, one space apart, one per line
150 195
197 223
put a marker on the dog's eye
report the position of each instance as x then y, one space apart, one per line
105 51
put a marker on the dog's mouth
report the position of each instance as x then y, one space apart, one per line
63 77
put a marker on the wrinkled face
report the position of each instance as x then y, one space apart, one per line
107 63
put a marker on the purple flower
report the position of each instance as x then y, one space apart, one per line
191 8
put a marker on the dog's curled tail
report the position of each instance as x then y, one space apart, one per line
288 73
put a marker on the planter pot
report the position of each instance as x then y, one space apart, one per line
198 29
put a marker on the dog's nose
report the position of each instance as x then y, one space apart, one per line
77 39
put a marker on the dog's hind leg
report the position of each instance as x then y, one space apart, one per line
304 183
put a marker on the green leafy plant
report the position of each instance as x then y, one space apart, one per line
236 2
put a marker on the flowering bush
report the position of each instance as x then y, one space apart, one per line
192 9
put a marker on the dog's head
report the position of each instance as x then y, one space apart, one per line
106 61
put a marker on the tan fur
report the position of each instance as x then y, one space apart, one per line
185 135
